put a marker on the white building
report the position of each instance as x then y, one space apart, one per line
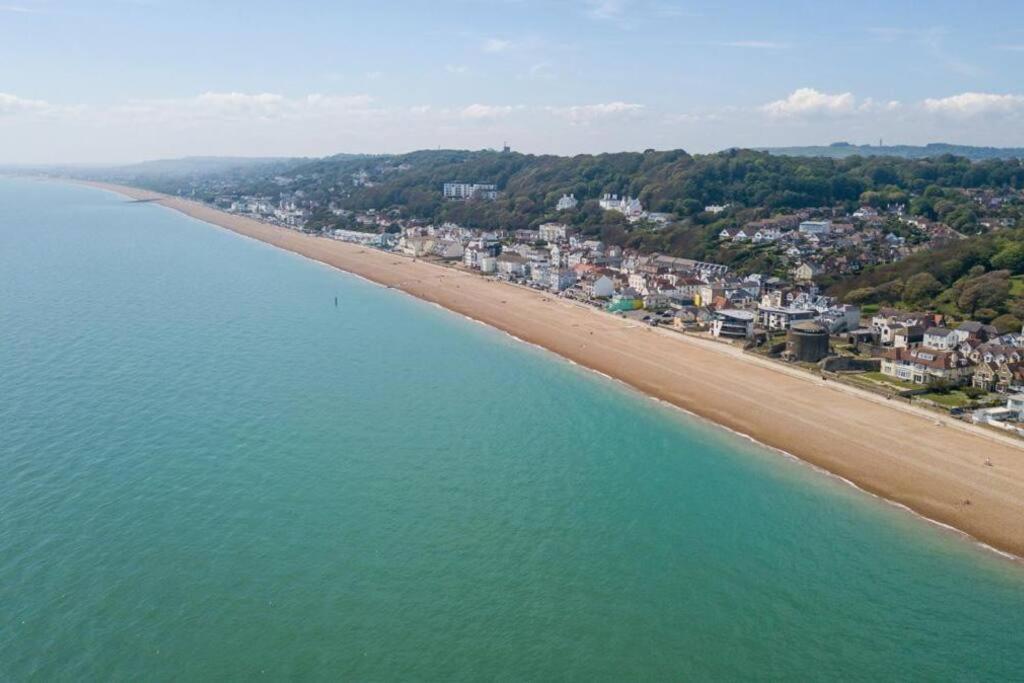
638 281
629 206
416 246
511 265
562 279
449 249
470 191
602 288
940 339
782 317
566 203
554 232
815 227
733 324
370 239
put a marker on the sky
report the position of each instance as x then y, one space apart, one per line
126 80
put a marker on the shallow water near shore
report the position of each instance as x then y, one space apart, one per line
211 472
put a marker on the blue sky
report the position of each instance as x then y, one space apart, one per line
123 80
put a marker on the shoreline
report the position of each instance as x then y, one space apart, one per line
906 457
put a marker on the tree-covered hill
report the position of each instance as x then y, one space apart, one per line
840 150
754 184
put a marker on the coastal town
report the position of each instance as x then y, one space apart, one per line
965 368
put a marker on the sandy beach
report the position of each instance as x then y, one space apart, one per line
932 465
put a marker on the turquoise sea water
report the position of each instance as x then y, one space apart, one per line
209 472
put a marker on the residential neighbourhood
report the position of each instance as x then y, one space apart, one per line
952 365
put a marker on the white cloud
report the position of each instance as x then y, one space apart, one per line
496 45
19 9
486 111
605 9
241 107
975 104
585 113
811 102
457 69
12 104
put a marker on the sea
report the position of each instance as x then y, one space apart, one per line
220 461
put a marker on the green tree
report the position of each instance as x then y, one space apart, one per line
864 295
987 291
920 288
1007 323
1010 257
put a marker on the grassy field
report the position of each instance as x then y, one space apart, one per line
954 399
884 379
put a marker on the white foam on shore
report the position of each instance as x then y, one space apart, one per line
817 468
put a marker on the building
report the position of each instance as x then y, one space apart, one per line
923 366
562 279
1005 417
416 246
567 202
907 336
449 249
782 317
470 191
511 265
998 375
601 288
807 342
629 206
971 329
554 232
370 239
731 323
815 227
887 321
940 339
626 300
805 272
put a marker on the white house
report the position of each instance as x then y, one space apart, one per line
511 264
815 227
554 232
733 324
449 249
638 281
629 206
782 317
562 279
566 203
416 246
940 339
767 235
540 274
470 191
602 288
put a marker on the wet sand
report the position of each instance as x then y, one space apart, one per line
933 465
